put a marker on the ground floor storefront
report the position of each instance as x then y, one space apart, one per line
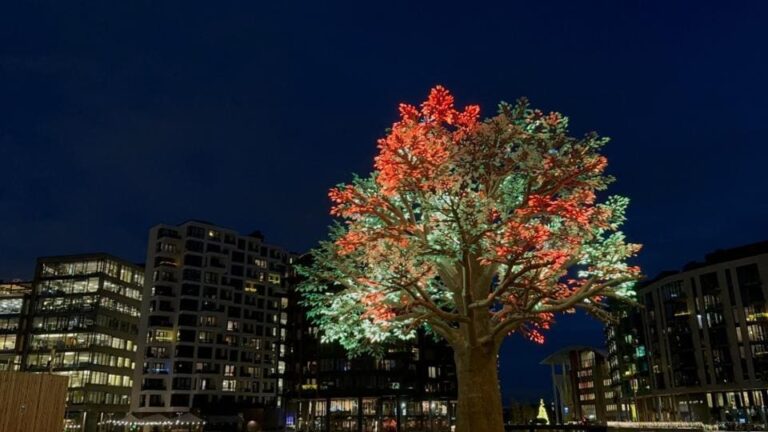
371 414
737 406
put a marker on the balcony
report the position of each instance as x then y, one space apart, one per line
160 321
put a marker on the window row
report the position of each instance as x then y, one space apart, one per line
111 268
79 340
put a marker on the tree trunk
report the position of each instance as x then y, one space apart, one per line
479 406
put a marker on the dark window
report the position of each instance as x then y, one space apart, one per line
204 352
182 366
163 290
238 256
186 335
236 283
160 321
188 305
167 232
181 384
193 260
184 351
190 290
210 292
196 231
187 320
194 246
749 284
191 275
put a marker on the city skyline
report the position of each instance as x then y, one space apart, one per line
96 131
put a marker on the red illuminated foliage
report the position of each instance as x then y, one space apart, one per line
474 230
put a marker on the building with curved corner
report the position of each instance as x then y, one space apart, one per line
581 385
706 329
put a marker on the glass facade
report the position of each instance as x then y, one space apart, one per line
14 307
83 324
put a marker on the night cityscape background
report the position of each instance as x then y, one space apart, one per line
116 117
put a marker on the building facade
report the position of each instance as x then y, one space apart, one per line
410 387
581 385
627 362
706 329
83 324
212 333
14 314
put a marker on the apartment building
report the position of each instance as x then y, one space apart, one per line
706 329
212 327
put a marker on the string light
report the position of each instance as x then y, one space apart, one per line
151 423
661 425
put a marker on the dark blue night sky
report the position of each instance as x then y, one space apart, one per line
115 116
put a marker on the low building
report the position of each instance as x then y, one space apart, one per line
412 387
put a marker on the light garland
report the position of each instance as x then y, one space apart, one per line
152 423
661 425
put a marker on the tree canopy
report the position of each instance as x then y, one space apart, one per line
473 229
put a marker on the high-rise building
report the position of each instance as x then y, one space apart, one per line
410 387
83 323
212 339
581 385
14 311
706 330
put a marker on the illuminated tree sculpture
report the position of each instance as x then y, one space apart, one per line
473 230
